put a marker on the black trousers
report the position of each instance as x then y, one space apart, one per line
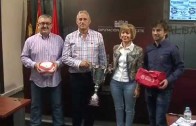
82 89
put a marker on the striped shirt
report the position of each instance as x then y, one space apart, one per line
76 48
39 49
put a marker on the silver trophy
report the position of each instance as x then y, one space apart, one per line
99 74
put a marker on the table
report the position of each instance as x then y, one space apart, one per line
8 106
171 118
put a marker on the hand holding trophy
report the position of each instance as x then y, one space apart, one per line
98 73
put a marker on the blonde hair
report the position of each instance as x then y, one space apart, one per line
128 27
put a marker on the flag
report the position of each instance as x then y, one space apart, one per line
55 28
39 12
29 27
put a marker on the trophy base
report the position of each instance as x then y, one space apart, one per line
94 100
94 103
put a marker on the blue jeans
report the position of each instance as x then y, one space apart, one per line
124 101
158 104
55 96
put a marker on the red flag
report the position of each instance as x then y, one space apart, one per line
55 28
39 12
29 27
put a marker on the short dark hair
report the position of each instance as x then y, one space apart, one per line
45 16
163 24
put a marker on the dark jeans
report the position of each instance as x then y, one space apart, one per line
37 99
158 103
82 90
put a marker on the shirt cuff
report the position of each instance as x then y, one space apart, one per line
33 65
78 63
169 79
58 63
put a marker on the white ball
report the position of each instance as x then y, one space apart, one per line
47 68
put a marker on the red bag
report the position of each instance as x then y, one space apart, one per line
149 79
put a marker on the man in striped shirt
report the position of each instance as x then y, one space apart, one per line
82 48
44 47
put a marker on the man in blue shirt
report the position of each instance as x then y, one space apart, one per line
162 56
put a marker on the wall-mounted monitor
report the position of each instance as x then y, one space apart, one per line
182 10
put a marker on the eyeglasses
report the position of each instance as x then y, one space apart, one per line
44 23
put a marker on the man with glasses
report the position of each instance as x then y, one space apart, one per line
44 47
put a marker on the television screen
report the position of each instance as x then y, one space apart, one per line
182 10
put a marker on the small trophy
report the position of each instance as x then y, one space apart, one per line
98 73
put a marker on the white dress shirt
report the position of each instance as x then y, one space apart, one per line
121 71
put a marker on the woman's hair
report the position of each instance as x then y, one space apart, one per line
128 27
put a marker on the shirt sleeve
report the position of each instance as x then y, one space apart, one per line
178 65
140 59
25 56
59 60
67 54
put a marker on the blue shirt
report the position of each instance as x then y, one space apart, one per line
39 49
165 58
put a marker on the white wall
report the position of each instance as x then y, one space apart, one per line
13 25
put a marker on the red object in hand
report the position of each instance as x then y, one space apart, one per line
149 79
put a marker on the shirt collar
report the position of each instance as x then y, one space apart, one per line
80 34
162 43
130 47
44 37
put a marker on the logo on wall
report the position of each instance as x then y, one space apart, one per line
179 29
116 26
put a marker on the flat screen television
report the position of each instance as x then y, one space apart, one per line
182 10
